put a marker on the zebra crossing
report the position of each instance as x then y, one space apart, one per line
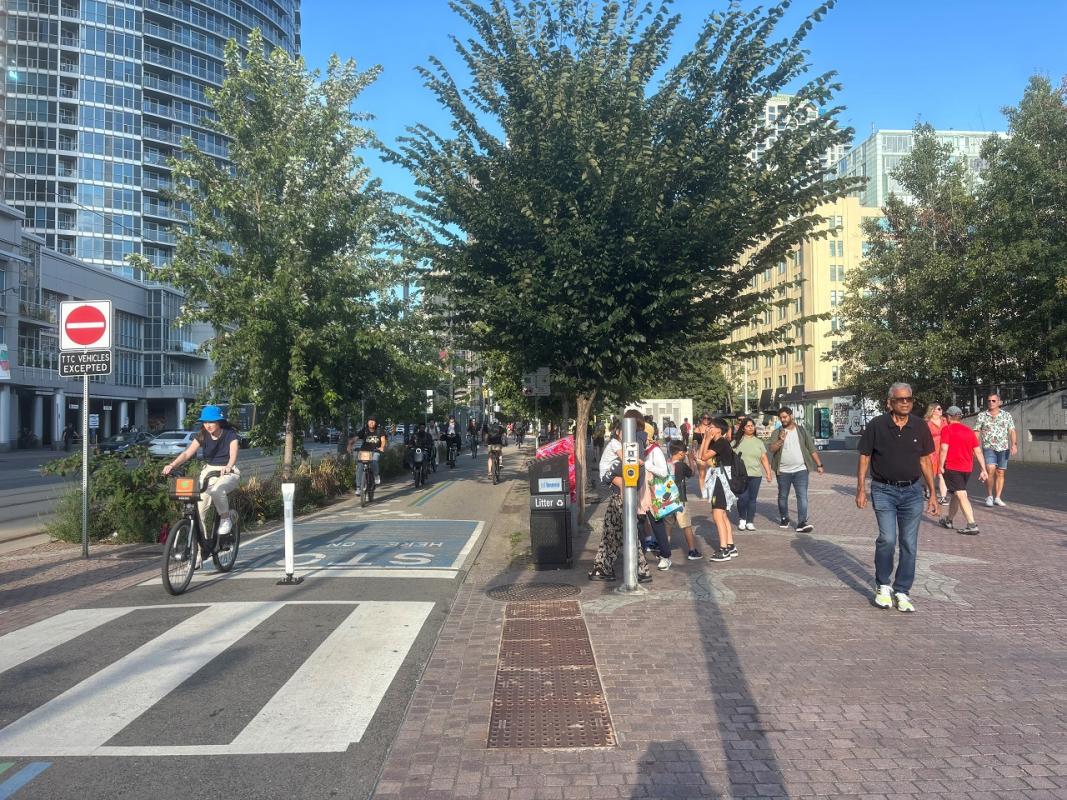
132 701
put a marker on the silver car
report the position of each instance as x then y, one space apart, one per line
170 443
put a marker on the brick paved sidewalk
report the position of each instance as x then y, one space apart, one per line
773 675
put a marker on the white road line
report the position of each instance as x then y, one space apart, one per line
328 702
320 572
20 646
83 718
458 563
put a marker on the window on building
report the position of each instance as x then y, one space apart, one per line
837 325
798 355
768 361
835 374
781 267
783 381
767 275
753 363
798 378
783 358
781 313
766 383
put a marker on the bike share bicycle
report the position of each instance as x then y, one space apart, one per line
367 457
494 461
187 544
419 461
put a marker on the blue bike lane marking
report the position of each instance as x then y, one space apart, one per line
21 778
397 544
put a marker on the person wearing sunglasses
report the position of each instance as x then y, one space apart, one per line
896 448
996 431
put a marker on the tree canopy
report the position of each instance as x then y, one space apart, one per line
596 207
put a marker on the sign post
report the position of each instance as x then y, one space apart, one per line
288 494
631 471
85 349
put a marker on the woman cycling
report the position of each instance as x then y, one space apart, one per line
374 440
218 438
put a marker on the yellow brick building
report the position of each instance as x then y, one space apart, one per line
823 264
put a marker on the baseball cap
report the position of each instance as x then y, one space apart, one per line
954 411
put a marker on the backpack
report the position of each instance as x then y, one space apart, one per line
737 473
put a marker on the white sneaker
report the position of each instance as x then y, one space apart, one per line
225 526
998 502
664 564
989 501
904 603
377 480
884 597
750 526
358 491
741 526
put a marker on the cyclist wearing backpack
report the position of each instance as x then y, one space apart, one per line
725 470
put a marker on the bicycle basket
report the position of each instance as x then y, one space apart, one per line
365 455
418 455
184 489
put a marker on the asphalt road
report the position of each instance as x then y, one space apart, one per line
243 688
28 495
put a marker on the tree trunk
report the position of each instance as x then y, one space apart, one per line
287 451
584 405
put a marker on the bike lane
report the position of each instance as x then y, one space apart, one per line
241 686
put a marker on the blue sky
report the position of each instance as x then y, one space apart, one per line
952 63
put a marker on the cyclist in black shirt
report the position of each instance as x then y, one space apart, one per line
374 440
494 438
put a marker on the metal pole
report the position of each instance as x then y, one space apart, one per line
746 389
629 514
85 466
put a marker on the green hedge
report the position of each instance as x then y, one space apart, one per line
131 503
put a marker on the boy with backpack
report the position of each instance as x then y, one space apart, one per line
725 468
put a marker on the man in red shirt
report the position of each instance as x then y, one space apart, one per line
959 448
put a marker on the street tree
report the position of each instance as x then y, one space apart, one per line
281 248
1023 232
595 203
916 309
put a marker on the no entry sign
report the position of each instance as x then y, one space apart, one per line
85 324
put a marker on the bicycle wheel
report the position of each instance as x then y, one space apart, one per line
363 496
179 556
368 492
225 560
496 470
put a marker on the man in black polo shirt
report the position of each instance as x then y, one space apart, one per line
895 447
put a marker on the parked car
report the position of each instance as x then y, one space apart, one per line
170 443
121 442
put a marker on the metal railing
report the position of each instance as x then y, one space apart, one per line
37 311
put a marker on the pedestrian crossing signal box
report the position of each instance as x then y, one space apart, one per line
630 473
551 530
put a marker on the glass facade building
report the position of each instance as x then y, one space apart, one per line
98 94
880 154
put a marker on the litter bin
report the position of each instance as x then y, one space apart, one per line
551 531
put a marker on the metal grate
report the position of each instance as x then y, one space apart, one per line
510 592
547 691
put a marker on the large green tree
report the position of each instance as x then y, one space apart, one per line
280 253
595 203
1023 235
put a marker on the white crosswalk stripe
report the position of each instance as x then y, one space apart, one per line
325 706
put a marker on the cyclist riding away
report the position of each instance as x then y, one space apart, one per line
218 438
494 438
374 440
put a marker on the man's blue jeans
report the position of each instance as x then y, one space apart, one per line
746 501
898 510
799 482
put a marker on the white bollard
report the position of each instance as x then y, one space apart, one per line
288 494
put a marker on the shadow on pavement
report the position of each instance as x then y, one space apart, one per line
846 567
671 770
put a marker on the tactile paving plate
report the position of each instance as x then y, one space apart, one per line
547 691
563 610
516 629
518 592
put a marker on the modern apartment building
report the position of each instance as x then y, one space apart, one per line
98 93
881 153
158 369
823 265
778 118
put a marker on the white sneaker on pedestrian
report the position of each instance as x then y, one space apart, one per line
989 501
750 526
664 564
998 502
741 526
225 526
358 491
377 480
884 597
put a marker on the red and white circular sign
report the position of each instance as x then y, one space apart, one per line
86 325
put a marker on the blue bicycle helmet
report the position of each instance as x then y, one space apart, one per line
211 414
